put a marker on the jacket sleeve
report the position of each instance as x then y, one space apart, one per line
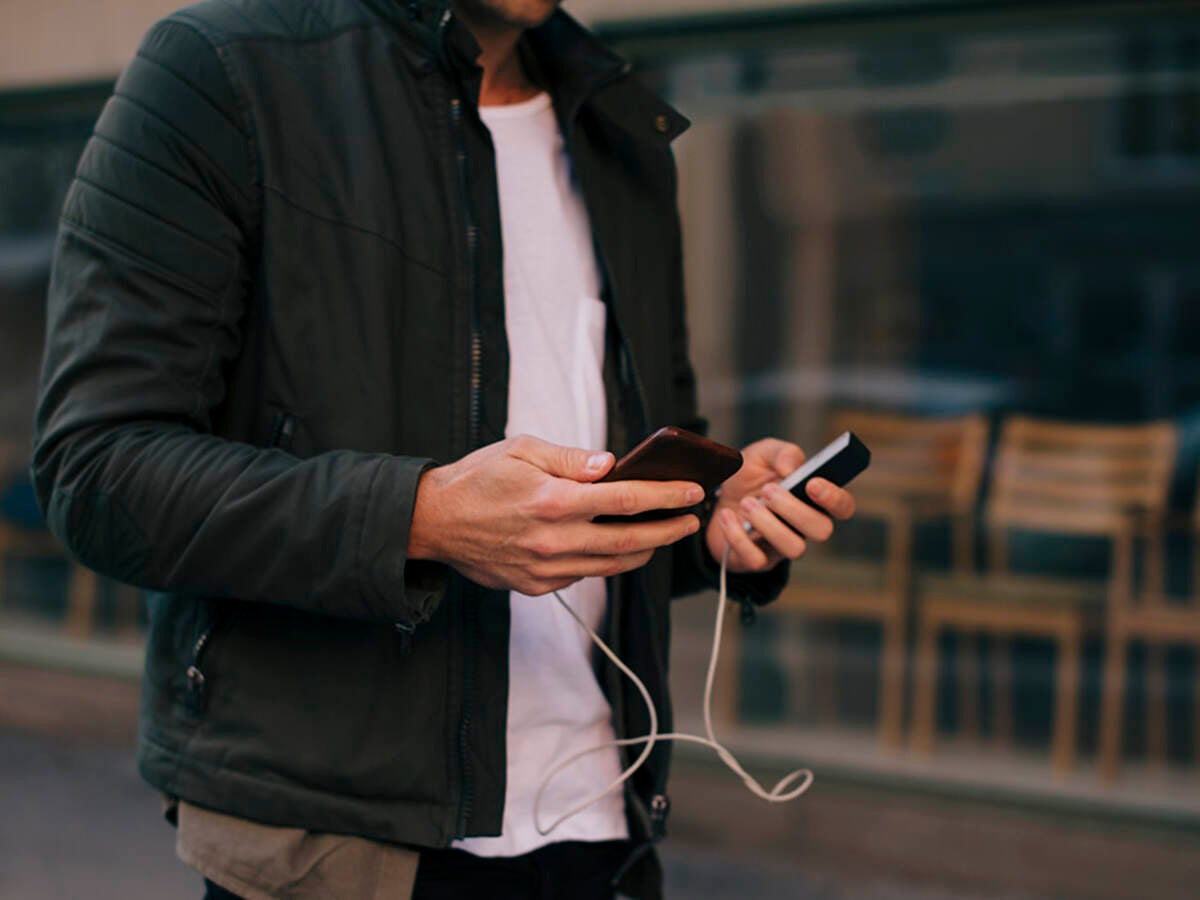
694 569
151 276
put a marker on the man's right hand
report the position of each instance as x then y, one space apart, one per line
517 515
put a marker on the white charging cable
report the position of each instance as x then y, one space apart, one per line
778 794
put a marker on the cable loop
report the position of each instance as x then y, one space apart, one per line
777 794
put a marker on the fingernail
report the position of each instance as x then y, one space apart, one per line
818 490
695 494
748 505
771 489
596 462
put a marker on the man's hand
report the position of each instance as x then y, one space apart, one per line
764 463
517 515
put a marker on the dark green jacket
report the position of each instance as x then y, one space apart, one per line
276 300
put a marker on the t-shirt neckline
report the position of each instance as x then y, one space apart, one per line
536 104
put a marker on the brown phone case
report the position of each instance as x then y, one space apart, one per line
674 454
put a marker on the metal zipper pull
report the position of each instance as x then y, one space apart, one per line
660 807
748 615
404 633
197 683
197 690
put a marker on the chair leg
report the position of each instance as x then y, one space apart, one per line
968 686
1156 704
1066 705
825 671
891 683
4 542
1003 716
925 689
81 601
1195 711
1112 706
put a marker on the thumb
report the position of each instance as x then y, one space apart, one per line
787 458
574 463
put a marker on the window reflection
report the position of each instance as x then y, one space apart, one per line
984 219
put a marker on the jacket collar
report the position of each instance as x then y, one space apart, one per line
577 66
566 58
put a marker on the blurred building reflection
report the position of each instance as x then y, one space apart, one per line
946 215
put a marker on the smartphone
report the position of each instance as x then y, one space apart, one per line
839 461
674 454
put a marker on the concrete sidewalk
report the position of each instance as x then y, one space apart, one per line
79 823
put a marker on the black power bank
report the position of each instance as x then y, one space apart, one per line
839 461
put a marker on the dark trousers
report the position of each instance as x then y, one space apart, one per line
570 870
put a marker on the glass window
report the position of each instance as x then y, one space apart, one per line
982 222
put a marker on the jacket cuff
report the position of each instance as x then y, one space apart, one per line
395 588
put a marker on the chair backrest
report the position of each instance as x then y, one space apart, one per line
919 459
1074 478
931 464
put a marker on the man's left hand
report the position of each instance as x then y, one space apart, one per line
779 519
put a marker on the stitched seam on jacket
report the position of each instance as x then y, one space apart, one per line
218 322
150 164
95 185
241 15
180 281
126 98
279 17
341 223
255 212
195 88
256 36
202 30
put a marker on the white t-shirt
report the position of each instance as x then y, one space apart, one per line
555 321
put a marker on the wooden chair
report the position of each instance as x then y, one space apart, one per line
1159 620
1051 478
21 540
921 468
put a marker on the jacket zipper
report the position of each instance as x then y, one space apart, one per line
197 683
467 793
476 348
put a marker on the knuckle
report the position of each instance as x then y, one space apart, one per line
627 500
549 505
542 546
614 566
